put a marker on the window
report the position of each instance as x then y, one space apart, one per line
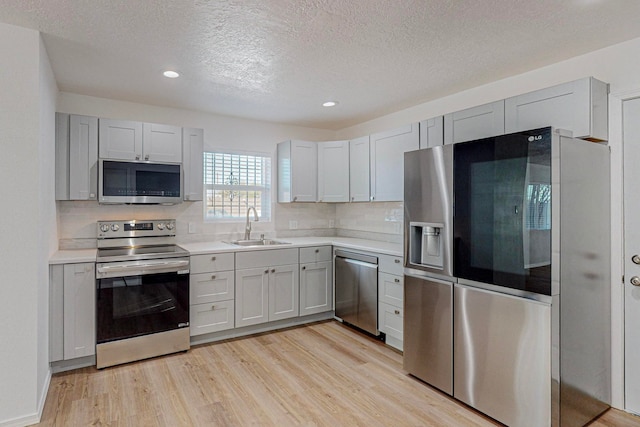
539 207
235 181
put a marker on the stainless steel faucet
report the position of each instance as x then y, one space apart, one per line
247 228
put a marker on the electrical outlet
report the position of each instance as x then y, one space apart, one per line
192 227
293 224
332 223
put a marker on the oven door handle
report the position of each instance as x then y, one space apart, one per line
142 267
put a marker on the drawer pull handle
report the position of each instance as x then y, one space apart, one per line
273 270
213 277
213 258
304 267
213 307
396 311
396 280
397 261
317 250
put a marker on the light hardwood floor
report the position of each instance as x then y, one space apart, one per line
323 374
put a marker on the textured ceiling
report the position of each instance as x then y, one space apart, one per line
278 60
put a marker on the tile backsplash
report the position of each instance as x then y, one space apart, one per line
376 221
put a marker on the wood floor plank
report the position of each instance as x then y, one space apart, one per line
323 374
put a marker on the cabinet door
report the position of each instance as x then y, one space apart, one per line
252 296
316 287
211 317
120 140
304 171
391 289
333 171
161 143
193 163
56 313
391 322
387 161
284 291
76 157
79 310
359 166
580 106
432 132
478 122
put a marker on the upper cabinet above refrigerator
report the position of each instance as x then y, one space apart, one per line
473 123
580 106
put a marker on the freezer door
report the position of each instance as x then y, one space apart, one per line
502 361
428 331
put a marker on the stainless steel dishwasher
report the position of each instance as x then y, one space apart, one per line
356 285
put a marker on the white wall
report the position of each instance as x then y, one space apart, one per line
28 221
618 65
77 219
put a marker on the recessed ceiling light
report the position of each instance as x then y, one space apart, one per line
330 104
171 74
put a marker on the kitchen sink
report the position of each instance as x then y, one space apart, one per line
258 242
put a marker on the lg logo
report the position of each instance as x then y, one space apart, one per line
535 138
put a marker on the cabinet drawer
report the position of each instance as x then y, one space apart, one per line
212 262
266 258
391 289
391 264
210 287
211 317
315 254
391 320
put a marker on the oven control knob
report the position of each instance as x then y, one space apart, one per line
170 226
104 228
115 227
161 226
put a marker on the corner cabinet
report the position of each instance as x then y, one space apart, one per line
580 106
478 122
267 286
316 280
129 140
333 171
359 169
76 157
72 314
297 171
193 163
387 161
432 132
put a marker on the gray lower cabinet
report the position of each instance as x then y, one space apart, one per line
316 280
267 286
211 293
391 299
72 320
76 157
472 123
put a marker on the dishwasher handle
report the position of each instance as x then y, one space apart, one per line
367 259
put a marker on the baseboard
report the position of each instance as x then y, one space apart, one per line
33 418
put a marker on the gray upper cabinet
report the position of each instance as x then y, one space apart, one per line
129 140
359 167
387 161
297 171
432 132
478 122
333 171
193 163
76 157
580 106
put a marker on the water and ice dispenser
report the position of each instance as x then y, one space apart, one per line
425 244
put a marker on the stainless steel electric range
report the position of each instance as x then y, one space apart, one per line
142 280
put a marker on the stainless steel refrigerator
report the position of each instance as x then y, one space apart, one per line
507 265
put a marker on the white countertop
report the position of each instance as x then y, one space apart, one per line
378 247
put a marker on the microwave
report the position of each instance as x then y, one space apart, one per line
139 182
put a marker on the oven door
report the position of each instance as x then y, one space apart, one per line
141 297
